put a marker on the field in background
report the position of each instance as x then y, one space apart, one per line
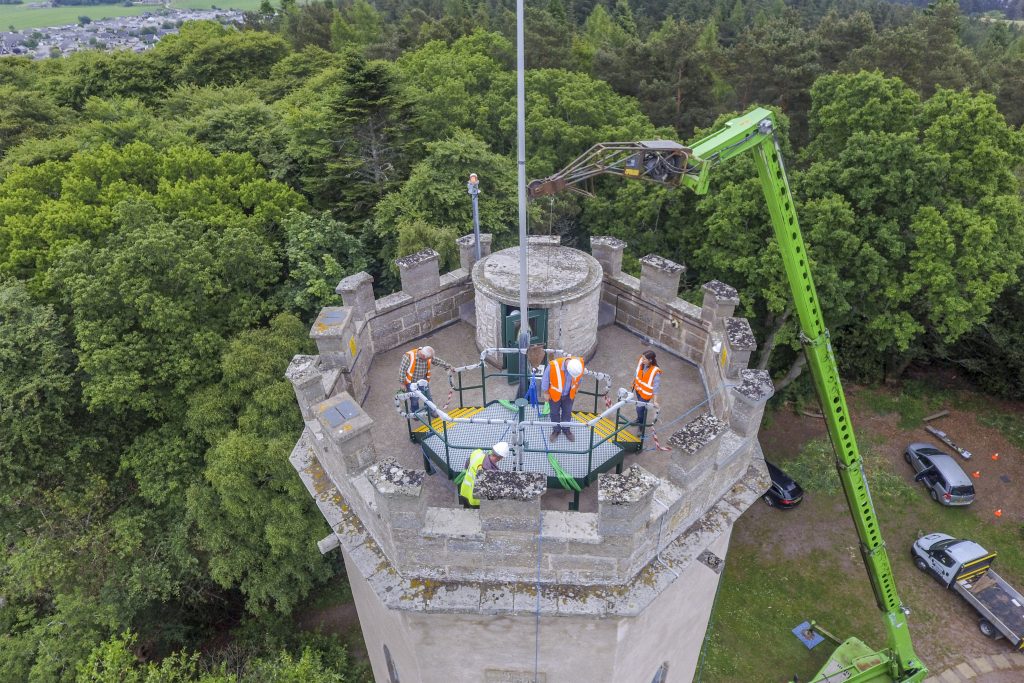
22 16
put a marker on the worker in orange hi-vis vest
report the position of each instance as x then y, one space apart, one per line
416 365
561 380
647 385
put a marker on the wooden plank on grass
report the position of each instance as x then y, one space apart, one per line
936 416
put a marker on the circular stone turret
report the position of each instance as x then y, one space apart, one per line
564 281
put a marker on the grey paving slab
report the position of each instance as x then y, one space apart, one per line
965 671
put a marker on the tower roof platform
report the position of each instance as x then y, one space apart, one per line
683 397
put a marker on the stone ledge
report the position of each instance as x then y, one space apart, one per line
688 312
393 301
459 276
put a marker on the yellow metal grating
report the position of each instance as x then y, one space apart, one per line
605 427
458 412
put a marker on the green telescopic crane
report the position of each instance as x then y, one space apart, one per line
669 163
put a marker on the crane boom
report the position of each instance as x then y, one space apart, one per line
671 164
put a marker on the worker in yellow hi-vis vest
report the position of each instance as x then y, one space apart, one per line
478 460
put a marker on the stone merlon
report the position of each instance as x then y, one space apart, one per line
607 241
420 272
387 476
356 292
741 337
756 385
697 434
303 369
499 485
608 252
722 292
329 323
663 264
421 256
626 488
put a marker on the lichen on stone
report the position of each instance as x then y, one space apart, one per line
390 477
501 485
607 241
741 337
756 385
723 292
697 434
301 367
662 263
625 488
414 259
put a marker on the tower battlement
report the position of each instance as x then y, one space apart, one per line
643 562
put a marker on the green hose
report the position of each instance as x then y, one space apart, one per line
460 477
564 479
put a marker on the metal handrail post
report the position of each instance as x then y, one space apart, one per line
447 457
483 381
590 455
408 420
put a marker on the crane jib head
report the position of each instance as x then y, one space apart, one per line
660 161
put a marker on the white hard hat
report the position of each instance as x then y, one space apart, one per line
574 367
427 351
501 448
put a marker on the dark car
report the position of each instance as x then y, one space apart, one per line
946 482
784 492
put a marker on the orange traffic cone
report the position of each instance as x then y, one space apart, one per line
976 474
999 512
995 456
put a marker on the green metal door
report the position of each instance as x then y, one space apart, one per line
510 335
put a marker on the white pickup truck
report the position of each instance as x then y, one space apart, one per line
966 567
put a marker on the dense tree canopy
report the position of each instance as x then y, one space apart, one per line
171 221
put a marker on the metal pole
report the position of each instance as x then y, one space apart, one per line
473 187
524 273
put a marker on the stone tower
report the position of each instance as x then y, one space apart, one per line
523 589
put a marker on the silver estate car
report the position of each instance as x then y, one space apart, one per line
946 482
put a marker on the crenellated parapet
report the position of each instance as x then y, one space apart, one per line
708 336
638 512
638 572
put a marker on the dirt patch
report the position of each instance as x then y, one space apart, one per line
997 482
